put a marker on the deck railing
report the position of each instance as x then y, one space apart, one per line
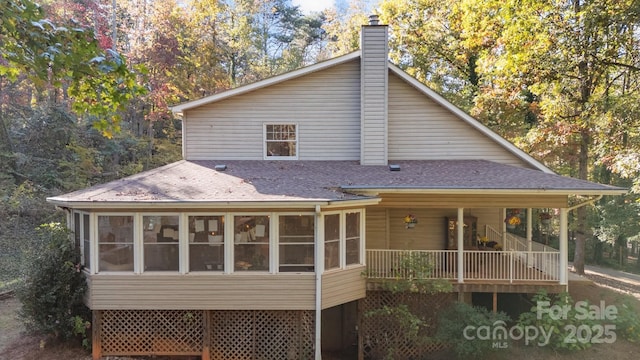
521 266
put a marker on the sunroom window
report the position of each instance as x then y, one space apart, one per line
251 243
352 238
281 141
206 243
161 235
115 243
77 237
82 238
296 242
331 241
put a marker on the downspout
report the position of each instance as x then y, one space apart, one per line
319 262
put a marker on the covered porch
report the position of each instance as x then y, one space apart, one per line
520 261
472 266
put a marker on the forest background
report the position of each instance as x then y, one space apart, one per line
85 87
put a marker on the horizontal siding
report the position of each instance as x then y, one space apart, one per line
343 286
431 230
325 105
376 228
428 234
203 292
421 129
374 95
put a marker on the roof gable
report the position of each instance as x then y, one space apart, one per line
423 89
468 119
266 82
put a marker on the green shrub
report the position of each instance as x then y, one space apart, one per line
628 323
414 274
54 287
403 329
566 327
461 316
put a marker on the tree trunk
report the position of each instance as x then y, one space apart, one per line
7 158
581 212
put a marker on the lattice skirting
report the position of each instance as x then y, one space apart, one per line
237 335
381 333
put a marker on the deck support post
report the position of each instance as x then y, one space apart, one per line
563 270
206 336
460 225
96 329
495 302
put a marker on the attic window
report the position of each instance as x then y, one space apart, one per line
281 141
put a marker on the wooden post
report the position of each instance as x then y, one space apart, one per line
206 335
495 302
460 253
96 335
360 312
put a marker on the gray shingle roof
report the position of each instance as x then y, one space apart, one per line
250 181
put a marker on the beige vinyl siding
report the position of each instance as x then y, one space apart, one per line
374 95
487 216
203 292
428 234
421 129
343 286
325 106
377 231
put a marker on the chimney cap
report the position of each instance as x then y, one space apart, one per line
373 19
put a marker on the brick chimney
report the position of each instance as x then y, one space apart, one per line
374 80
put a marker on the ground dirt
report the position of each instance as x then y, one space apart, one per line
17 344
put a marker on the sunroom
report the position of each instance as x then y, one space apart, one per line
216 242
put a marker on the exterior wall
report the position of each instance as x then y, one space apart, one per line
386 228
325 105
377 230
339 287
421 129
374 88
202 292
429 233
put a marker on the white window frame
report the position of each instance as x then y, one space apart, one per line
340 239
186 245
92 264
343 238
273 231
94 233
277 216
295 142
181 239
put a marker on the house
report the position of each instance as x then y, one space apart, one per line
296 195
